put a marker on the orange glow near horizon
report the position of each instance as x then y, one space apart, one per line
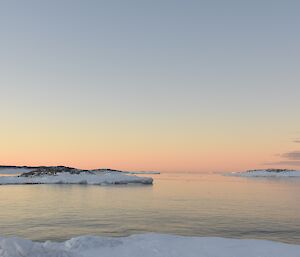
159 150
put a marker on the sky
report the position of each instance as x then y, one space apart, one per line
190 86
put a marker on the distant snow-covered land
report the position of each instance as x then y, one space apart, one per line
267 173
66 175
147 245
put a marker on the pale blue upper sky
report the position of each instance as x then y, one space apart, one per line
141 64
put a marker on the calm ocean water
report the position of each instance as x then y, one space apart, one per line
183 204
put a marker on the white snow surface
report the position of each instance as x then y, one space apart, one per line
82 178
265 173
147 245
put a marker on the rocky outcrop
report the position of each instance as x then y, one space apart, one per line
52 170
34 171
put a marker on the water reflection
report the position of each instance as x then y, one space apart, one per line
185 204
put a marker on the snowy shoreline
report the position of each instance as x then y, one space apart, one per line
147 245
101 178
20 175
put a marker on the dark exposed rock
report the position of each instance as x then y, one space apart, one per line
53 170
41 171
112 170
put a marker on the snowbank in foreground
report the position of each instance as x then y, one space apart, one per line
147 245
266 173
82 178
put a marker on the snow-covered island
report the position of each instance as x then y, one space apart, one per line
67 175
147 245
267 173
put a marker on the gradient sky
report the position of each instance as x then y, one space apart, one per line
150 85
